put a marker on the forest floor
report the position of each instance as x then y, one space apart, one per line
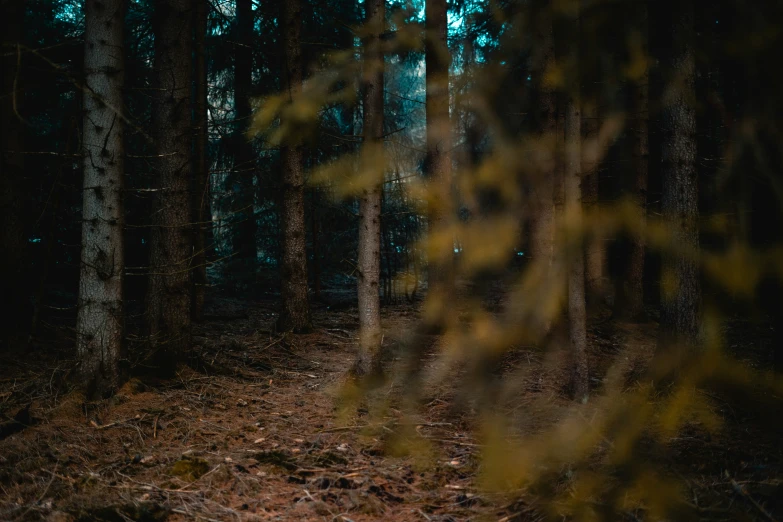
255 434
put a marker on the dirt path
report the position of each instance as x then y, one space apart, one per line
255 436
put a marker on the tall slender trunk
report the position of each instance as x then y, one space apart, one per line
631 301
244 157
681 300
592 96
542 207
595 248
12 240
168 292
572 128
99 324
295 313
438 156
202 215
558 188
386 252
576 270
315 232
369 259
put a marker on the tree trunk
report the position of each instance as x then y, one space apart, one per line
576 271
595 248
369 259
386 252
295 313
542 207
573 213
681 299
202 215
244 240
168 292
12 240
99 325
316 238
438 155
631 301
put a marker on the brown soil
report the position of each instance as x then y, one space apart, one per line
255 432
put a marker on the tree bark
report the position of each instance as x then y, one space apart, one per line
369 258
595 248
295 313
572 128
438 155
202 215
681 300
12 240
576 272
631 301
168 292
542 207
99 324
315 228
244 240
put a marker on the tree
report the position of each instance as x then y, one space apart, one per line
99 325
244 157
295 313
12 240
595 251
631 299
202 216
542 207
681 306
369 259
438 152
168 292
573 213
576 269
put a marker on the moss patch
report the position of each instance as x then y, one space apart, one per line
189 469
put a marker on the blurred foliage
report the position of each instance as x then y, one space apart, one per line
596 460
602 450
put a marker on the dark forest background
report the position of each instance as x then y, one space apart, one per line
517 172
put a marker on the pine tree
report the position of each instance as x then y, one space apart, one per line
681 307
99 326
542 211
573 213
244 157
438 151
631 301
169 289
295 313
595 250
369 259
